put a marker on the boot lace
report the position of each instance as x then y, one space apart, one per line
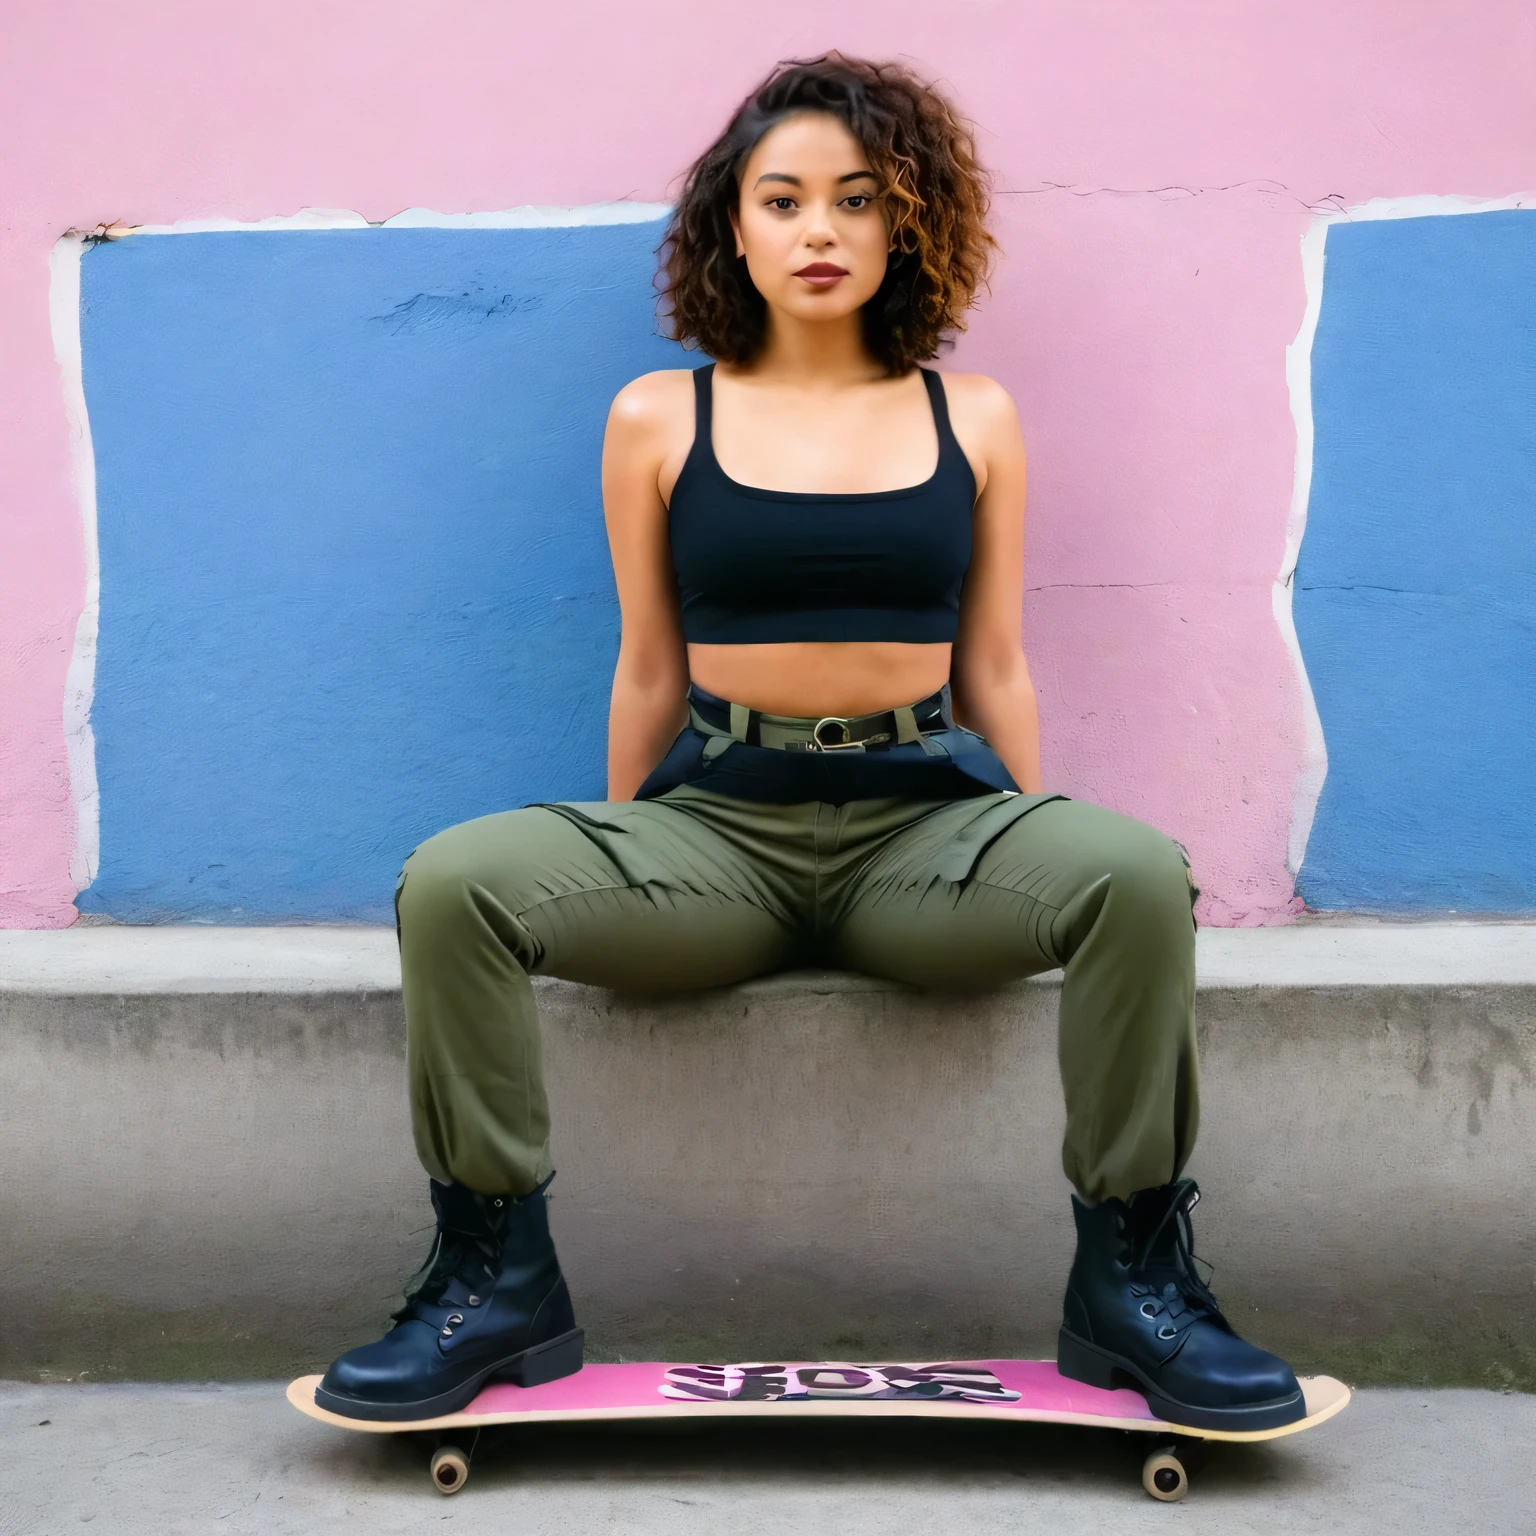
1171 1279
454 1256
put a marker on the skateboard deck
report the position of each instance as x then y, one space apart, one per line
1026 1391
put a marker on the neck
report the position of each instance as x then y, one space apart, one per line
829 352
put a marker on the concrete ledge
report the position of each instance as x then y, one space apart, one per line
358 958
210 1170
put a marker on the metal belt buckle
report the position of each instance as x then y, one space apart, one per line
847 744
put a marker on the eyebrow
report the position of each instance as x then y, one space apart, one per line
794 181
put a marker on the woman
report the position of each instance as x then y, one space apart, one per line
822 750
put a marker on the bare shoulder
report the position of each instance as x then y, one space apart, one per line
980 403
986 424
650 430
653 402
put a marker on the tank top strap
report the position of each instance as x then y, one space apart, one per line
939 401
703 409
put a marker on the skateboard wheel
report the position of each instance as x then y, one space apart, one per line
1163 1475
450 1469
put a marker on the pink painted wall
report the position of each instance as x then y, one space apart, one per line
1156 166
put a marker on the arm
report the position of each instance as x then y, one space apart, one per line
990 677
650 683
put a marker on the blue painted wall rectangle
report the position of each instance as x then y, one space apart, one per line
1415 591
354 580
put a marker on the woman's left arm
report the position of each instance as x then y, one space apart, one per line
989 675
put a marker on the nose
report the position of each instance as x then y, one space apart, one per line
818 228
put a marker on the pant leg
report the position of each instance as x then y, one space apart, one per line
638 896
1104 896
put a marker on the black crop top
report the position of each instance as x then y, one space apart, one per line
760 566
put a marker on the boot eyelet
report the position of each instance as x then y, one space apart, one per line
497 1204
1166 1333
447 1333
474 1301
1148 1310
455 1318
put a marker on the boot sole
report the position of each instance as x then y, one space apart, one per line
1079 1360
548 1361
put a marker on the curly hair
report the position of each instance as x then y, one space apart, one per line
933 192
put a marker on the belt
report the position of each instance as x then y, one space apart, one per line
725 723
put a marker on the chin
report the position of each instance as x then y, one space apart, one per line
830 306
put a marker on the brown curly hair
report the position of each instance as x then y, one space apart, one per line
934 196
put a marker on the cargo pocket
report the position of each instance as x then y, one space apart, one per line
963 851
607 832
635 835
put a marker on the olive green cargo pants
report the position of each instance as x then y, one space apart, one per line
697 890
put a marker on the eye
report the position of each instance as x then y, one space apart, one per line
782 204
857 201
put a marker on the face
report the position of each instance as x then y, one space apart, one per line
810 221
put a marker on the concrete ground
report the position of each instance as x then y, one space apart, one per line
174 1461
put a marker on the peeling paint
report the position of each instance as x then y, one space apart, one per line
1313 771
421 311
1401 875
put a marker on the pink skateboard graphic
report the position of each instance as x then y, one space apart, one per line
867 1383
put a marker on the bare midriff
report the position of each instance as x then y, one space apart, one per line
815 678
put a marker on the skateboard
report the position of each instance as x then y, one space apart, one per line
1025 1391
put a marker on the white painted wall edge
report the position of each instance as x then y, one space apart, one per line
80 678
1298 374
112 959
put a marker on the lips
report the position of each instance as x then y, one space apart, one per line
821 274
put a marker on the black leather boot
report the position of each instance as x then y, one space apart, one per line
1138 1314
490 1302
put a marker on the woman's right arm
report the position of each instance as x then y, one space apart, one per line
650 683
